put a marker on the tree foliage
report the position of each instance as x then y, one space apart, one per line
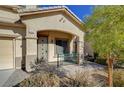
106 30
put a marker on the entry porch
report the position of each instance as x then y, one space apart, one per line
57 46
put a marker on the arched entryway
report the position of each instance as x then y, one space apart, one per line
52 43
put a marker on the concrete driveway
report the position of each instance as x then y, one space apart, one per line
4 76
9 78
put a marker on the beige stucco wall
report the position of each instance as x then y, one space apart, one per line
17 34
7 15
52 22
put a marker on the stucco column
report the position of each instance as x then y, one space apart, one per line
31 50
72 44
80 44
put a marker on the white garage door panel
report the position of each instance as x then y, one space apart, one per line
6 53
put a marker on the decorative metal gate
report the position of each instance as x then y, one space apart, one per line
43 49
67 59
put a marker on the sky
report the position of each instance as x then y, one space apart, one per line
79 10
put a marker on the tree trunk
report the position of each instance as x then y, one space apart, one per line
110 72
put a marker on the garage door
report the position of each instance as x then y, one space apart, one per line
6 53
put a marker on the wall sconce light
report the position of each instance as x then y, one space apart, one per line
51 41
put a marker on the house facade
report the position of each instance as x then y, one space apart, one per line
28 33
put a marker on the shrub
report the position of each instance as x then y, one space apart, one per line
119 64
40 66
101 61
118 78
79 79
41 80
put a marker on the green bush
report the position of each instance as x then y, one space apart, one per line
118 78
101 61
119 64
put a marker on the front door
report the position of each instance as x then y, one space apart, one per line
62 49
43 49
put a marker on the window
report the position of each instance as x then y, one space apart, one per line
61 46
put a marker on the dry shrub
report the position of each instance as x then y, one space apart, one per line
118 78
41 80
47 68
101 80
79 79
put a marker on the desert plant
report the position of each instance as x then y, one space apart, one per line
101 61
119 64
40 66
118 78
79 79
41 80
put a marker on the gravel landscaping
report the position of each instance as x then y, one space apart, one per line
84 75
